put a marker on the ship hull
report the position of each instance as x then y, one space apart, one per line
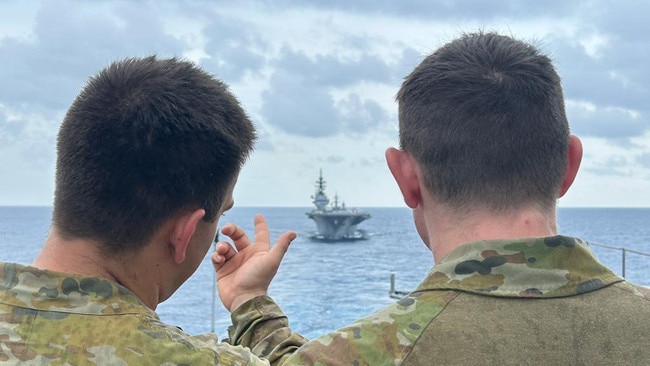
338 225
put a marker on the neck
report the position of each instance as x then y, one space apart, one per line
447 230
83 257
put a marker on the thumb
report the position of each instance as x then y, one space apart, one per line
281 246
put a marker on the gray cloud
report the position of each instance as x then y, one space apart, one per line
41 75
235 47
68 46
625 18
300 101
606 79
334 159
607 123
32 142
438 10
309 94
298 107
614 166
330 70
372 162
361 115
644 160
615 78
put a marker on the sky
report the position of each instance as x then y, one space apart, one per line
319 80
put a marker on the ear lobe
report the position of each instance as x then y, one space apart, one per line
184 229
574 159
404 170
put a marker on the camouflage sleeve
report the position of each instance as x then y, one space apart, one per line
260 325
384 337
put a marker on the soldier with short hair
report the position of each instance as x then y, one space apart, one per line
485 152
148 156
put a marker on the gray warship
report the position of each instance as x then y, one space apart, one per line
334 222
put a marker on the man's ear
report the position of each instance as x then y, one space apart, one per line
184 229
573 164
405 171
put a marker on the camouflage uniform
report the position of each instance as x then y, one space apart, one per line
50 318
532 301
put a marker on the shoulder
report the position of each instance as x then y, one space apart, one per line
132 338
418 307
388 334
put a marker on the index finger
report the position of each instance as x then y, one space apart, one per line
237 235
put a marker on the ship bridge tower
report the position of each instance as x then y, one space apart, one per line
320 198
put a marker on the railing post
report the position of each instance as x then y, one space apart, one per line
623 262
214 301
392 283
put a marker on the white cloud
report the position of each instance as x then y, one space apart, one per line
594 44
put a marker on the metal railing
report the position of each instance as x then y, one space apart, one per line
395 294
623 251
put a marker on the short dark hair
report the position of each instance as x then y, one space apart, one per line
484 117
145 138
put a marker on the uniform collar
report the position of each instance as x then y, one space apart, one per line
532 267
37 289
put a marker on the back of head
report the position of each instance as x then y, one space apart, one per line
484 117
144 139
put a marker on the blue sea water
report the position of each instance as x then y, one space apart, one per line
323 286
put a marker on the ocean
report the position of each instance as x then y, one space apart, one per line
323 286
